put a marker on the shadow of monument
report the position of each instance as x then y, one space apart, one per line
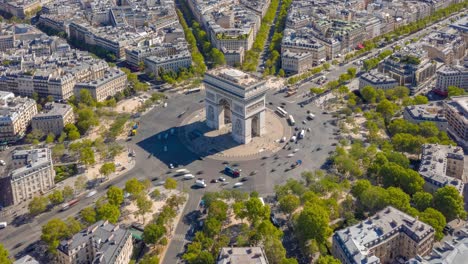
171 146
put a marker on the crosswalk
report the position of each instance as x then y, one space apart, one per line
179 237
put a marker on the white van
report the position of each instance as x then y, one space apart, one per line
188 176
293 139
311 116
3 225
185 171
200 183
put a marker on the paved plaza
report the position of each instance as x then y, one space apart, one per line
218 144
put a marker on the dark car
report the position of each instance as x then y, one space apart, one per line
244 179
155 179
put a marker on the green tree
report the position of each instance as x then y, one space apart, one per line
115 195
387 109
50 138
37 205
86 98
435 219
312 223
369 94
218 209
398 198
149 259
326 66
212 227
55 197
455 91
67 192
352 72
153 232
218 57
373 199
422 200
87 156
289 203
134 187
54 231
420 99
4 255
109 212
256 211
144 205
281 73
170 184
74 226
86 119
328 260
88 215
359 187
394 175
107 168
449 202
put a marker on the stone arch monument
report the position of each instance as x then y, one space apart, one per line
238 98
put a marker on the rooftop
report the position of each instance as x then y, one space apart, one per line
434 164
108 238
358 239
242 255
54 109
235 76
376 77
33 159
433 111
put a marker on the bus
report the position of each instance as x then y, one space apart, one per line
281 111
193 90
291 120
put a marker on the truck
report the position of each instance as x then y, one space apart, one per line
291 93
232 172
71 203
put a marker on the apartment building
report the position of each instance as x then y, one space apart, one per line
114 81
53 118
456 113
173 63
20 8
451 76
100 243
32 174
303 41
6 42
296 62
452 250
15 116
244 255
382 238
442 166
377 80
445 47
233 57
409 68
431 112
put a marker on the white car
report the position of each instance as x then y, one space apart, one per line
237 185
221 179
171 166
290 155
188 176
225 183
293 139
295 150
91 193
2 162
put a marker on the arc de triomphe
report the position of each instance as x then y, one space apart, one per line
236 97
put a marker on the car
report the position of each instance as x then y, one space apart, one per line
273 220
214 181
237 185
225 183
155 179
221 179
319 148
290 155
244 179
171 166
160 183
91 193
304 122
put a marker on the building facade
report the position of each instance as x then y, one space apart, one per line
55 117
377 80
442 166
382 238
32 174
244 255
100 243
114 81
456 113
432 112
237 98
15 116
451 76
